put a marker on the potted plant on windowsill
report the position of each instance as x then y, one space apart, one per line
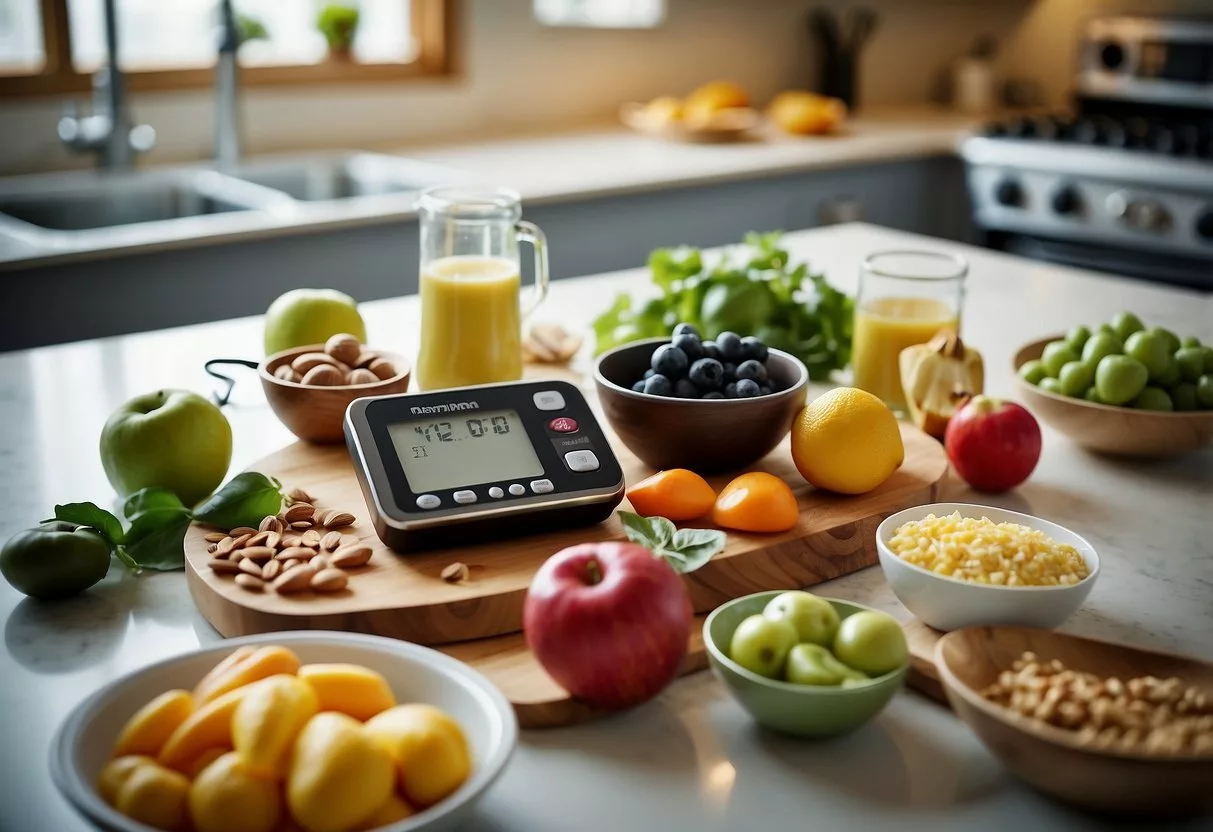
338 23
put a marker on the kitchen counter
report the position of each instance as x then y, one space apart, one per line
574 166
691 760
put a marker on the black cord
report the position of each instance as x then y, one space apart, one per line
222 399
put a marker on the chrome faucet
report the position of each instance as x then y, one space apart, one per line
227 108
108 131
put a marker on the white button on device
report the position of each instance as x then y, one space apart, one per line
542 486
581 461
496 493
464 496
549 400
428 501
517 489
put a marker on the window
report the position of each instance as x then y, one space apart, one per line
605 14
54 46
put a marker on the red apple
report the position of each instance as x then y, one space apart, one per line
609 622
993 445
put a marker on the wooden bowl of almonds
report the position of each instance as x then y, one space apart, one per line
310 387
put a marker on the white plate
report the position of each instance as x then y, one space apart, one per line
950 604
84 742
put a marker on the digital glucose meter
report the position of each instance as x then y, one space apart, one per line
477 463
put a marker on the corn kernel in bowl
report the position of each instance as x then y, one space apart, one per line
984 552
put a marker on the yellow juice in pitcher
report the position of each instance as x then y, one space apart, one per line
471 327
883 328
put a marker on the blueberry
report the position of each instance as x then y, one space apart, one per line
730 346
649 373
689 344
752 370
670 361
710 350
685 329
765 390
683 389
752 348
715 394
730 390
659 385
707 373
747 388
639 386
730 371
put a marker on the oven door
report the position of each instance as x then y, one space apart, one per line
1192 272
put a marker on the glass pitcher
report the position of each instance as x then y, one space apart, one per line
471 312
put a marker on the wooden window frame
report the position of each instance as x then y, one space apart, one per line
432 22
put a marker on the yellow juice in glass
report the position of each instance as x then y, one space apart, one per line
471 327
883 328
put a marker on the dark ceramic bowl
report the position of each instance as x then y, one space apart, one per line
706 436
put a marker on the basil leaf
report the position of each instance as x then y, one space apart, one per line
94 517
245 501
637 529
151 499
662 530
156 538
697 546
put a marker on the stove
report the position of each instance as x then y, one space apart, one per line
1123 182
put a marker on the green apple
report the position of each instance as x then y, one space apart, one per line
871 642
814 618
310 316
171 438
1119 378
1125 324
1151 350
761 645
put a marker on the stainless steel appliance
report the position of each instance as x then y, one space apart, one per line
1122 183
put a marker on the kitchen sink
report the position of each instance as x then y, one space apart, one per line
343 176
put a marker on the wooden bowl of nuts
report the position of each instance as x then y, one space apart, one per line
310 387
1110 728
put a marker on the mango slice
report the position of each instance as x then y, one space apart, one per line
156 796
116 773
266 722
339 776
428 747
208 727
392 810
203 760
146 732
243 668
349 689
228 797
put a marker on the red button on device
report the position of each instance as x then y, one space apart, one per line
563 424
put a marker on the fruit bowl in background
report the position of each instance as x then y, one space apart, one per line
726 125
950 603
801 710
704 435
1123 431
315 413
84 742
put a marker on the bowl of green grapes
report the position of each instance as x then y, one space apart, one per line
1122 387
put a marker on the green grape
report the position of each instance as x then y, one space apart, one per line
1119 378
1152 398
1190 361
1208 359
1204 392
1183 396
1099 345
1033 371
1051 385
1191 341
1150 349
1092 395
1125 324
1057 354
1107 330
1169 377
1077 337
1075 377
1170 337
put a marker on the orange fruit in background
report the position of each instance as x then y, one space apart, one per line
806 113
757 502
676 494
847 441
712 97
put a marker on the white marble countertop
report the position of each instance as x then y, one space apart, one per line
691 760
567 166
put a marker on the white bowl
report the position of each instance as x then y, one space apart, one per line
951 604
416 674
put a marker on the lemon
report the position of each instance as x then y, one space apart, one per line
846 441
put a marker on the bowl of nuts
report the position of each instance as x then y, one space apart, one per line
310 387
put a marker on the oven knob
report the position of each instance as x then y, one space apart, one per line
1204 225
1066 200
1141 214
1111 55
1008 192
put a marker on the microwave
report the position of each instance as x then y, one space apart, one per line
1156 60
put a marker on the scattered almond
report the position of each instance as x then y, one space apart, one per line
225 546
550 344
329 580
286 373
272 539
309 361
250 582
361 376
311 538
294 580
338 520
299 511
344 347
272 569
301 525
290 564
222 566
250 566
256 540
270 524
349 557
242 541
236 556
324 375
382 368
295 553
298 495
455 573
258 554
212 548
214 537
290 540
241 531
319 562
331 541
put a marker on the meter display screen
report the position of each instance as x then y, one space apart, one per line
469 448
